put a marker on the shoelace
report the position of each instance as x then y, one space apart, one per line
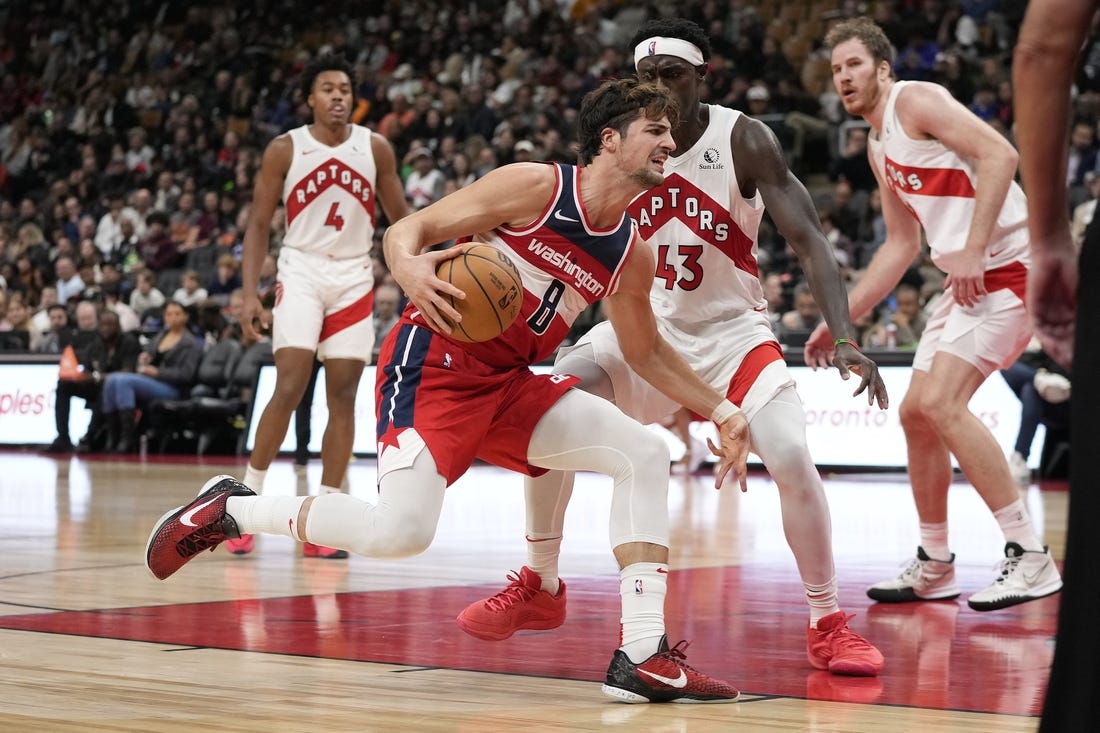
207 537
911 568
676 655
845 633
516 592
1007 567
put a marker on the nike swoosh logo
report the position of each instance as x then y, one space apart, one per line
190 514
1032 578
679 683
561 217
310 152
995 254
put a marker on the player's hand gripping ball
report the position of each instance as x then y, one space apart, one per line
494 291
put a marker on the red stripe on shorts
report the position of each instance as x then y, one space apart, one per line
751 366
1012 276
349 316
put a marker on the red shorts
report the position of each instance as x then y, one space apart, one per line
460 407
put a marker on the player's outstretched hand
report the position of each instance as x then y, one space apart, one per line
847 359
427 292
732 451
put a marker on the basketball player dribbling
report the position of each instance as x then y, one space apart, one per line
701 225
331 175
942 168
441 403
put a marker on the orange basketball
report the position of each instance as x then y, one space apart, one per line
494 291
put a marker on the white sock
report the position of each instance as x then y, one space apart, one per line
254 478
542 557
266 514
642 587
1016 525
330 490
933 538
822 599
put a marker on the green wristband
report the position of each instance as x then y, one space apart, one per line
850 342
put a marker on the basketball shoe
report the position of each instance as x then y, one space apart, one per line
201 525
325 553
242 545
924 579
522 605
835 647
1025 576
664 677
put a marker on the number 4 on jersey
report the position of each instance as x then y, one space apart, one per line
334 219
689 255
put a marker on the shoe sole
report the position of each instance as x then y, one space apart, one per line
338 555
172 514
855 669
846 668
634 698
907 595
487 634
1041 592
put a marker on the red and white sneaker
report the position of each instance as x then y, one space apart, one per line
835 647
325 553
201 525
664 677
241 546
522 605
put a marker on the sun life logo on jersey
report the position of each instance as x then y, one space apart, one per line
710 158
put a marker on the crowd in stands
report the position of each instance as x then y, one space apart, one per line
131 133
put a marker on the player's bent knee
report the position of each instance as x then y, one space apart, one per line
649 450
406 541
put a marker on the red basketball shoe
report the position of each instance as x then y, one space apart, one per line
522 605
201 525
326 553
242 546
664 677
835 647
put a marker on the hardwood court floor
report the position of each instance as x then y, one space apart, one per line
89 641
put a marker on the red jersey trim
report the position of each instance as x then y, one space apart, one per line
917 181
592 229
541 219
349 316
1012 276
750 368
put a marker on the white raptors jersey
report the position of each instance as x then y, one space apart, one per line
703 233
937 186
329 195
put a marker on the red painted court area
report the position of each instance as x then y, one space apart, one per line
743 624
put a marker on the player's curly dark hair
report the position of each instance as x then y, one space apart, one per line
324 62
616 104
681 28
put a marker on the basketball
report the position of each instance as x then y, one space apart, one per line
494 291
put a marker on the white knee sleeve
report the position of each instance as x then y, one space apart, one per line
401 524
586 433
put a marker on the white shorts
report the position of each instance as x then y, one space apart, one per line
324 305
715 351
990 335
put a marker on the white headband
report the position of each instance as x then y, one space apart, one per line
661 46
